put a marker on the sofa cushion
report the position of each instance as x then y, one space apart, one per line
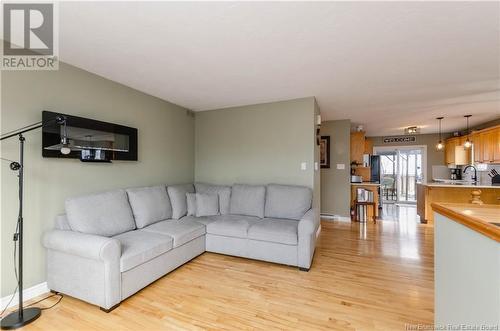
149 205
202 220
207 204
177 194
287 201
191 204
283 231
103 214
182 231
140 246
248 200
231 225
224 193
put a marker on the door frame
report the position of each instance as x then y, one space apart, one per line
377 149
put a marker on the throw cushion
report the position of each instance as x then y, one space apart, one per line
207 204
103 214
224 193
248 200
149 205
287 201
177 194
191 204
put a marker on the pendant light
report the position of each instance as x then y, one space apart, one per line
440 145
467 143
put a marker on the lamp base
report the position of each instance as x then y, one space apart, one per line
14 320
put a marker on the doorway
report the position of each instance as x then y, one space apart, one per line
401 169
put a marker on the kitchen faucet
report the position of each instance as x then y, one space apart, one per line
474 178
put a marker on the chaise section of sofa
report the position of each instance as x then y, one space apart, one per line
273 223
110 245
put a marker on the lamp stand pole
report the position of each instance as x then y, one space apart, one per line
22 316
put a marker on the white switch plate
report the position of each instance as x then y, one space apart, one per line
340 166
316 167
303 166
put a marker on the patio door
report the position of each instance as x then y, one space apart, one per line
401 169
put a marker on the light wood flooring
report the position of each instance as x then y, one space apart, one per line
364 277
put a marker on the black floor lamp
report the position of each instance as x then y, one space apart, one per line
23 316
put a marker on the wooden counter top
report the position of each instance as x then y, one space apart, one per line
479 218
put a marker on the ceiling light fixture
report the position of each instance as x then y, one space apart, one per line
467 143
440 145
411 130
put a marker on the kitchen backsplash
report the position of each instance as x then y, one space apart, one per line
484 178
443 172
482 174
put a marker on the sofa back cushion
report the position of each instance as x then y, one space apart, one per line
248 200
103 214
177 194
287 201
61 223
149 205
224 193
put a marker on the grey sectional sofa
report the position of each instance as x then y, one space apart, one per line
110 245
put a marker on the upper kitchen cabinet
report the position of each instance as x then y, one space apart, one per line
487 145
357 147
360 145
455 153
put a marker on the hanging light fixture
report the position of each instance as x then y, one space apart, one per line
467 143
440 145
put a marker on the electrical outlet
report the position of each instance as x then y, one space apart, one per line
340 166
303 166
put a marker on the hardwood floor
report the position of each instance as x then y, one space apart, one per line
364 277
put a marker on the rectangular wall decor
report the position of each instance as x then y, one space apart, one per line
400 139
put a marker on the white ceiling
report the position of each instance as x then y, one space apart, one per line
386 65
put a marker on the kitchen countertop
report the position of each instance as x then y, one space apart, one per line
440 184
365 184
479 218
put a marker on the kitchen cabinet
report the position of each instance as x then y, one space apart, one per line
455 153
487 145
477 142
357 147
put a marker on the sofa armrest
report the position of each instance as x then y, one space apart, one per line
84 266
308 223
308 226
83 245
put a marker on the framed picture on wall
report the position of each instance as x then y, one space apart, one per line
324 152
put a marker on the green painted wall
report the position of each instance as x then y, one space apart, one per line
166 152
257 144
336 183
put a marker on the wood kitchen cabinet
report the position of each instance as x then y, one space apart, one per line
455 153
487 145
361 145
357 146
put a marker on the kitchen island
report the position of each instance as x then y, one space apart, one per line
467 265
428 193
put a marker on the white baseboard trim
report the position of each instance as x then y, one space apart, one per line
330 217
28 294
